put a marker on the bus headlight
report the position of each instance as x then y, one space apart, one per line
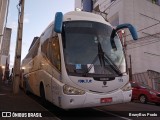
127 87
69 90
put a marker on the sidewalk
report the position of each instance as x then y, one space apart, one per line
20 105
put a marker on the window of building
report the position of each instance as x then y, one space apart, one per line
156 2
113 0
82 3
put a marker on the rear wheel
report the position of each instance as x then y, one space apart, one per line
42 94
143 99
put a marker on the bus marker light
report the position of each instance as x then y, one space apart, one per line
71 100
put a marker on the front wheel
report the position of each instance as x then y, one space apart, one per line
143 99
25 88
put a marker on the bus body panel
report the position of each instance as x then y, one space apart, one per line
39 69
94 99
74 16
89 83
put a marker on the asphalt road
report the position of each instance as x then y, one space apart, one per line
126 111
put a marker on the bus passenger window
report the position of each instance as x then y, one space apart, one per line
54 52
51 50
45 47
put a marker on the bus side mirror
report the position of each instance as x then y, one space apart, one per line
131 29
122 26
58 22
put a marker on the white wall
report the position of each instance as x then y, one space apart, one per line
145 52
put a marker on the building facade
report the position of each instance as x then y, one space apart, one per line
5 48
3 14
5 33
145 16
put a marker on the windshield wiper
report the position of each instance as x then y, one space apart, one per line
102 58
101 55
113 66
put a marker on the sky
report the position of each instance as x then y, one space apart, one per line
38 14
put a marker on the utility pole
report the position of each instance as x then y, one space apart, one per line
1 36
17 60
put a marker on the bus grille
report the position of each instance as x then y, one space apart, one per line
95 91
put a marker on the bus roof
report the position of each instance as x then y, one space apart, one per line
81 15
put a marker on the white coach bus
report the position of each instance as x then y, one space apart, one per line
78 61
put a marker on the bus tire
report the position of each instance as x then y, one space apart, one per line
25 88
42 94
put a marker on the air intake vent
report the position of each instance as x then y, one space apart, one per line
95 91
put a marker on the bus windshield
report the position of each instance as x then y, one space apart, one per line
88 51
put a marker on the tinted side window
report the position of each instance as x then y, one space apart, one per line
54 52
34 50
45 47
51 50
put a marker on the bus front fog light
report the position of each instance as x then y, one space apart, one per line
71 100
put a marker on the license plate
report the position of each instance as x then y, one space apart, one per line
106 100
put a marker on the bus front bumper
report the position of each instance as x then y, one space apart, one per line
90 99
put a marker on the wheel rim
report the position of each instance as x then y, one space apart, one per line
142 99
